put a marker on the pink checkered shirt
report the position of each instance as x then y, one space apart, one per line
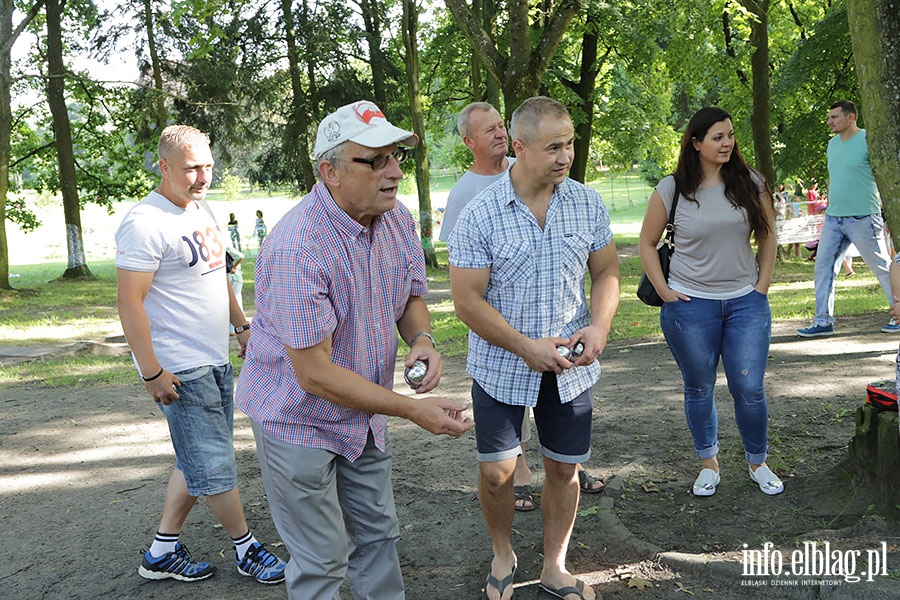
318 274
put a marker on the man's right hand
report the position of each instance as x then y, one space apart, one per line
163 388
440 415
541 355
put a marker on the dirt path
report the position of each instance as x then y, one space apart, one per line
82 473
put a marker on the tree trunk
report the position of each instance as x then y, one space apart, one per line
297 139
585 90
410 41
8 37
761 119
77 266
474 60
874 453
6 12
491 83
371 12
159 99
875 33
531 47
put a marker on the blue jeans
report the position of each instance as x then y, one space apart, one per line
201 423
867 234
739 330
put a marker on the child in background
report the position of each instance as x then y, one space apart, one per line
233 231
260 227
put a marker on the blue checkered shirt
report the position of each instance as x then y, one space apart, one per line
537 279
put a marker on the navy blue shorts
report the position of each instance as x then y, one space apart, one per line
564 429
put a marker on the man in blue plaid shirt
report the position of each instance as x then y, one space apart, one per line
518 259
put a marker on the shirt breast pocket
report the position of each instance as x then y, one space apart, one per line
574 253
513 263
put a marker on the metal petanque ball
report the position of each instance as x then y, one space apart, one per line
415 374
571 353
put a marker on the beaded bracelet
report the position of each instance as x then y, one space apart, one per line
155 376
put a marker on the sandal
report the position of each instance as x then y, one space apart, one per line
586 483
524 498
498 584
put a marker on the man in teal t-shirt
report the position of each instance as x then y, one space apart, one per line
853 217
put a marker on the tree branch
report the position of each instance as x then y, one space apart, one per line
481 41
30 153
729 49
553 34
6 48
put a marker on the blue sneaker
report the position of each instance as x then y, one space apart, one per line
261 565
177 564
892 327
818 331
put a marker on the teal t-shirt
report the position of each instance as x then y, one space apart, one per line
851 190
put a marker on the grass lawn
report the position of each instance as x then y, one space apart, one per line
46 310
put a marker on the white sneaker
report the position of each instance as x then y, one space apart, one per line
767 480
706 482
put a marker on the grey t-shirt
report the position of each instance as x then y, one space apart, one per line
713 258
465 190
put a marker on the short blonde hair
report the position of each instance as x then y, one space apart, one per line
462 121
525 119
181 137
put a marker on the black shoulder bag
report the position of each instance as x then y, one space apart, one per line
645 291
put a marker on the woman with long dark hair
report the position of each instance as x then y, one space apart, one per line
715 299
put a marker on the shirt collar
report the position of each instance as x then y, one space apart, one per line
343 222
510 196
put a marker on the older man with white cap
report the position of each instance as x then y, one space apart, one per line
339 276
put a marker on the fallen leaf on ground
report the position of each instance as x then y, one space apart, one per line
637 582
681 588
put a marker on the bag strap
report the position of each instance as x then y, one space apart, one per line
670 224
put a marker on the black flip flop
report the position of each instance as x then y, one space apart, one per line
586 483
524 493
498 584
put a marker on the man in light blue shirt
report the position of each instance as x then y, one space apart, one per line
853 217
518 260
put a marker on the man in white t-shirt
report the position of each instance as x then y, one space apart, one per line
484 133
175 305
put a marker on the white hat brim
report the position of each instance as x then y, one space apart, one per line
385 135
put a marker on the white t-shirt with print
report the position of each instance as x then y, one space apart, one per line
187 304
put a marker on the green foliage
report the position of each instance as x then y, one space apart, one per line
820 72
231 186
17 211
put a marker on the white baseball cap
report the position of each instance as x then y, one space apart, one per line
361 122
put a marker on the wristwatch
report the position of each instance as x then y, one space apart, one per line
421 334
242 328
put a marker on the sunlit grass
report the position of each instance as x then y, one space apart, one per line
71 372
47 310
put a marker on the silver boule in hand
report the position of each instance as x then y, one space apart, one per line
571 353
415 374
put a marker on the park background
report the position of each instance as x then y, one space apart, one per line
82 450
87 85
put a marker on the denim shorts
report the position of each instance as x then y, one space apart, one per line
201 423
564 428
